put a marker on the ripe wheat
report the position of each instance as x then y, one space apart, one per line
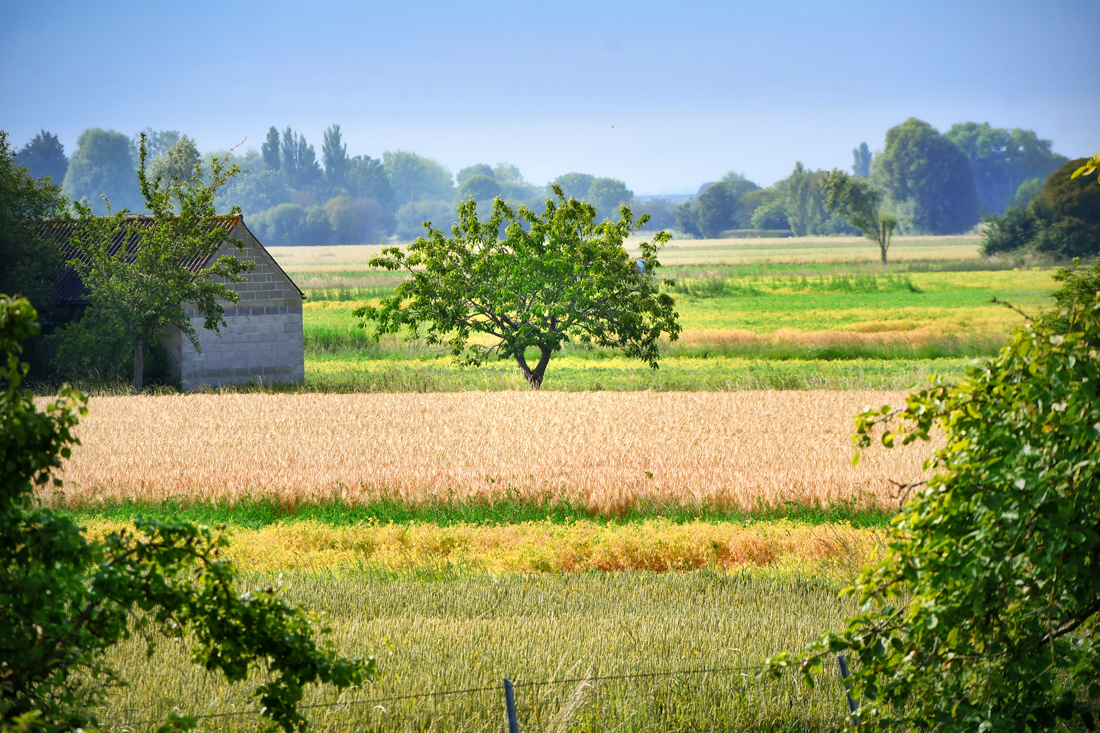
607 451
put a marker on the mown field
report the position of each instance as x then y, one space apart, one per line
684 523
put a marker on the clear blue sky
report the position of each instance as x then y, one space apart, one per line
663 95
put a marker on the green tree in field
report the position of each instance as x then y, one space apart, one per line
145 286
335 154
29 263
66 600
927 176
547 279
983 616
858 202
44 155
716 210
861 165
102 166
270 150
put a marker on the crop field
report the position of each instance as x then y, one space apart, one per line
607 452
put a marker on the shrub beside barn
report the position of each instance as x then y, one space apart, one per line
262 339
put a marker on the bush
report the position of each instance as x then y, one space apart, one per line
983 615
64 600
92 350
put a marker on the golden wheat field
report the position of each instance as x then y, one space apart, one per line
608 451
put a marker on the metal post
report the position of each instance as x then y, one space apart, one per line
852 707
510 706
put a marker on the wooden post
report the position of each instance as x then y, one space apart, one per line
510 706
852 707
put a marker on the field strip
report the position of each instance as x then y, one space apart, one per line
655 545
606 450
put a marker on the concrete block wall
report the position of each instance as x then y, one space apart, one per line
262 340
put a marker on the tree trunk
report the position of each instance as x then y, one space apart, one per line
883 243
534 376
139 364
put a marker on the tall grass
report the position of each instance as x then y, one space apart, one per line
447 629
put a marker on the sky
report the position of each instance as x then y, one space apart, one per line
662 95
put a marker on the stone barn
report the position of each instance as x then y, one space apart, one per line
262 340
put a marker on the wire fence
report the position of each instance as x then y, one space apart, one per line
506 701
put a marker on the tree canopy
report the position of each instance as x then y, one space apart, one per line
858 202
44 155
717 209
861 164
928 180
983 614
335 154
528 281
102 166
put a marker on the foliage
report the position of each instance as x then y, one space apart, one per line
716 210
44 155
1026 192
1002 160
414 178
662 214
1089 167
771 215
687 218
95 351
983 615
607 195
805 204
861 165
575 185
412 216
299 161
270 150
64 601
146 285
178 161
1080 285
925 172
29 263
1009 232
479 187
335 154
157 143
563 277
480 169
255 192
858 202
102 167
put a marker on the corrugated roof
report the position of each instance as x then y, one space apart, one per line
69 289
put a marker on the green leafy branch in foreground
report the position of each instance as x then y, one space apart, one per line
65 600
983 616
548 279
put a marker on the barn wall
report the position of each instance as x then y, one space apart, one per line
262 340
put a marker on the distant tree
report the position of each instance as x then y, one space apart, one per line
546 280
44 155
505 172
67 598
255 192
335 154
607 195
29 264
739 187
1072 228
753 200
1025 192
717 210
157 143
177 162
479 187
661 213
805 205
687 218
771 216
481 169
858 202
926 174
412 217
300 164
148 285
102 166
414 178
575 185
861 165
270 150
367 180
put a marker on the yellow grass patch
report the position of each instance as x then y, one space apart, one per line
606 451
656 545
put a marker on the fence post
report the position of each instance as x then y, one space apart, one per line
510 706
852 707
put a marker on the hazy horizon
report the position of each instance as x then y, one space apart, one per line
662 97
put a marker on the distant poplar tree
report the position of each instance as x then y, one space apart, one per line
44 155
335 154
862 157
270 150
299 160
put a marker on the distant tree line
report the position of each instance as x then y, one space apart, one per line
928 182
